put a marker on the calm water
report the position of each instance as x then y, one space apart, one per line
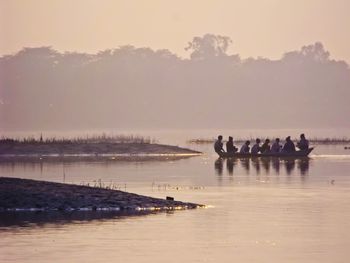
261 211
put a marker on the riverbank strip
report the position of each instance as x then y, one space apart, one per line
30 195
13 148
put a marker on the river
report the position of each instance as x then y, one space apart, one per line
258 211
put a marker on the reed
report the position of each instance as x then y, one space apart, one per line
88 139
104 185
333 140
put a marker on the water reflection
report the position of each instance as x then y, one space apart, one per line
290 166
41 219
245 162
40 160
303 166
35 167
219 166
230 164
262 165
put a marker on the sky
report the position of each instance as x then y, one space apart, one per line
265 28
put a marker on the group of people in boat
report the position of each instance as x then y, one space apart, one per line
276 147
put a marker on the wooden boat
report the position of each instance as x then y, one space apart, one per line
296 154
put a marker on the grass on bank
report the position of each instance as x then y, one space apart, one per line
103 138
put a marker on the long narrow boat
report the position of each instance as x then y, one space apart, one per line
296 154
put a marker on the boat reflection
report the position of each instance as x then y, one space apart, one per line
219 166
263 165
230 164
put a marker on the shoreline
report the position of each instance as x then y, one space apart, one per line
24 195
90 149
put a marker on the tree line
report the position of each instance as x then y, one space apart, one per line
129 87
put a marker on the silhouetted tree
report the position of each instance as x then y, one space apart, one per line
208 46
315 52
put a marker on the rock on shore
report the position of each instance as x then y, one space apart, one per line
31 195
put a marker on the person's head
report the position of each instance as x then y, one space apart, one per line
247 142
230 139
220 137
267 140
288 139
302 136
277 140
257 140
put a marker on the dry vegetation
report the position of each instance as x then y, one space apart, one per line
103 138
91 146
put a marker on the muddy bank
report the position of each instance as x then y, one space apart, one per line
14 149
30 195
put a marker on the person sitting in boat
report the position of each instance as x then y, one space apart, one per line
276 147
230 148
245 147
256 147
288 146
218 145
303 144
265 148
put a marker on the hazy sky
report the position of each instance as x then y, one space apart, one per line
265 28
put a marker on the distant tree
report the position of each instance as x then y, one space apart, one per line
314 52
208 46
